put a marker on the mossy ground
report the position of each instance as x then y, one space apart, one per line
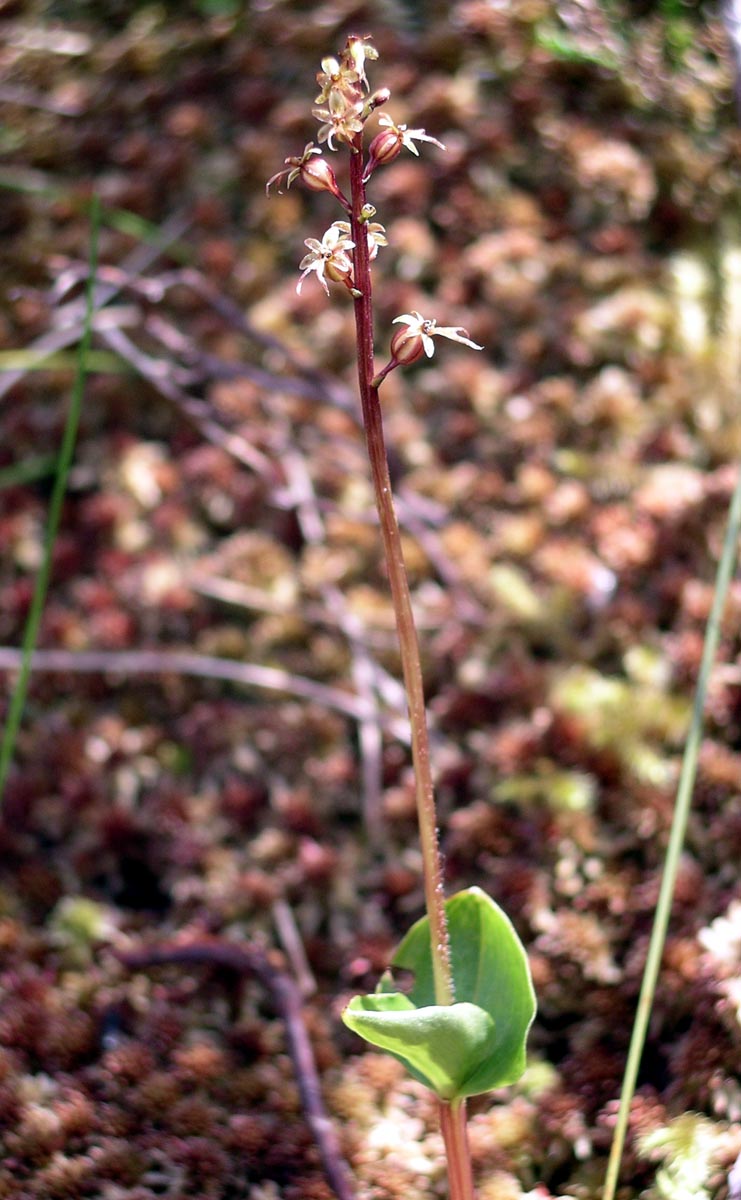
563 496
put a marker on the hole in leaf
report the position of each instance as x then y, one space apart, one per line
402 979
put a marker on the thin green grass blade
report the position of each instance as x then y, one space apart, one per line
142 230
28 471
676 840
104 362
566 48
64 462
37 183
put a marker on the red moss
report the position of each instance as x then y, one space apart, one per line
258 888
316 861
248 1135
205 1163
241 800
309 1188
201 1062
10 1105
700 1062
69 1039
23 1017
64 1178
162 1029
37 1136
117 1160
156 1094
76 1114
129 1063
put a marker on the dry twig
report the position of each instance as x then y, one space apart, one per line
244 960
201 666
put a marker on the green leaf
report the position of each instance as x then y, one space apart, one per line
476 1044
442 1045
567 48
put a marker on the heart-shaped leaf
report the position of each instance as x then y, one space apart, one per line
476 1044
441 1044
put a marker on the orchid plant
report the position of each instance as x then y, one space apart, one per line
462 1027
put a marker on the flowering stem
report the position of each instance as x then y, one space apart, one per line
453 1128
408 643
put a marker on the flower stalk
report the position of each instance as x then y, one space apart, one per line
455 1137
400 594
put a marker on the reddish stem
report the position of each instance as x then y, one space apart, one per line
408 643
455 1137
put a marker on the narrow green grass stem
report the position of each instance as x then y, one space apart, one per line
64 462
676 840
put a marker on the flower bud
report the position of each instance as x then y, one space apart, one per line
385 147
318 176
376 100
338 268
406 347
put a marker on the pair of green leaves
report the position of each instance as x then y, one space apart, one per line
471 1046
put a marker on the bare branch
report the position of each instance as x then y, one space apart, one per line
200 666
246 960
69 319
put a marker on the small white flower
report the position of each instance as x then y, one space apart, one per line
427 329
357 51
407 137
337 77
376 235
328 258
341 119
